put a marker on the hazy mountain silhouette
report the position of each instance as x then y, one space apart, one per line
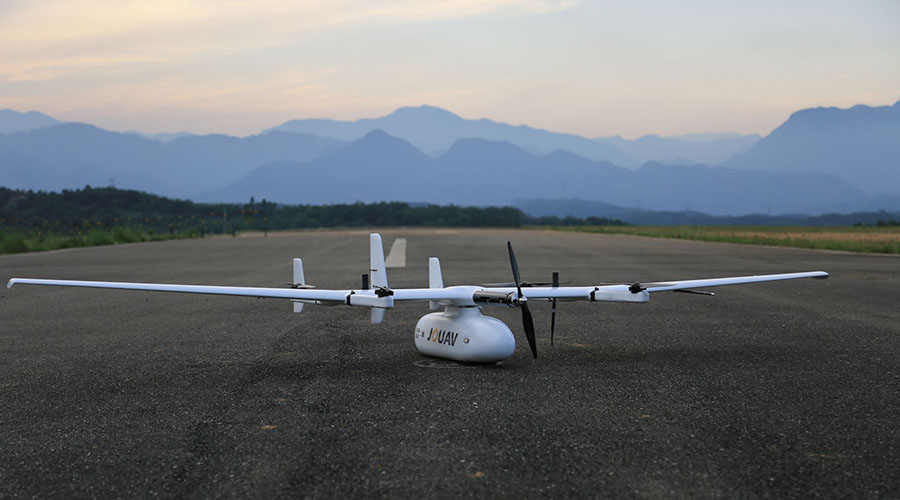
860 144
707 149
374 168
710 136
433 130
23 172
14 121
72 155
809 164
379 167
215 160
162 137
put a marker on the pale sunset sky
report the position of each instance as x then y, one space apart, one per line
593 68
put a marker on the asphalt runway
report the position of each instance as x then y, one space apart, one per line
772 390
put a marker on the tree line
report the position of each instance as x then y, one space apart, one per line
79 211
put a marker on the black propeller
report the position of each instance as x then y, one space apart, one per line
522 301
555 284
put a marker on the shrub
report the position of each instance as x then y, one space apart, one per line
13 243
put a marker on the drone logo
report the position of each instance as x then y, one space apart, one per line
442 337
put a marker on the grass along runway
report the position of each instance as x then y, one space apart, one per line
850 239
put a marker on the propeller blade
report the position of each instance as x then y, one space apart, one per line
515 267
552 320
528 323
527 320
555 283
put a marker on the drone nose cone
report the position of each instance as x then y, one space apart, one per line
495 340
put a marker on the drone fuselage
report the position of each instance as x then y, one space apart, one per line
464 334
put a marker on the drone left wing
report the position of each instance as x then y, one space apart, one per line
379 297
311 295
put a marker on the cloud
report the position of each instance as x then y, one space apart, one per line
543 62
52 39
52 22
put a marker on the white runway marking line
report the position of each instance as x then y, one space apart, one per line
397 256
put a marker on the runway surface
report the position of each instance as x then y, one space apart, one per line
774 390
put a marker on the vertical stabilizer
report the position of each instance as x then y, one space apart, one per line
377 272
435 279
299 279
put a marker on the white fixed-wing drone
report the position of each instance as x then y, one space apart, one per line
460 332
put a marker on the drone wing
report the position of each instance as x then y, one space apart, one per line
665 286
454 295
312 295
380 296
639 292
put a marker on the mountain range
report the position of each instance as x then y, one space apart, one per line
479 172
70 155
426 154
706 149
434 130
860 144
13 121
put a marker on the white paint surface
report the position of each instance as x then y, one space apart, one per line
397 256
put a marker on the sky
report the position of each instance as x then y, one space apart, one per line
593 68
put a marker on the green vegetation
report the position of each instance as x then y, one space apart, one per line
34 221
882 238
17 241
